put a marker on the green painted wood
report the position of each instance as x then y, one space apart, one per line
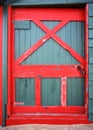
91 116
91 9
50 92
90 42
51 53
91 92
22 25
48 2
75 92
90 23
79 1
90 109
90 68
90 55
90 33
4 71
25 91
74 32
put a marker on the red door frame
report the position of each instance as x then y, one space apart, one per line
14 69
1 19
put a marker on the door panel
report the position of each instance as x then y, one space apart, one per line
25 91
50 89
75 92
48 61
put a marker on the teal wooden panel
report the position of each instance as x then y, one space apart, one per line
74 36
91 105
90 91
90 68
91 116
4 66
91 9
90 33
25 91
91 55
48 2
75 92
90 76
79 1
90 42
90 23
24 39
90 83
22 24
51 89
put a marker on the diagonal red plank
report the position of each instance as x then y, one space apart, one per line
41 41
63 44
47 30
50 33
32 49
69 49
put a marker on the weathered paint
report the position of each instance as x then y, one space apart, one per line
5 48
90 61
1 22
47 76
4 72
48 2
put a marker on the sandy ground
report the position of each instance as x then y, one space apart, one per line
49 127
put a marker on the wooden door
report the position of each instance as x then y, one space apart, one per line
46 62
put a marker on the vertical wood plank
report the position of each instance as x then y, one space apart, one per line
64 91
38 91
86 59
9 59
1 12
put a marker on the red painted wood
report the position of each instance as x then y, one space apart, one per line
68 48
71 114
47 71
49 14
9 109
59 40
42 40
1 18
48 109
38 92
38 116
55 37
86 59
32 49
64 91
65 120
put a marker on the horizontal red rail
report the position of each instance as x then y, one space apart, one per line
47 71
63 119
50 109
49 14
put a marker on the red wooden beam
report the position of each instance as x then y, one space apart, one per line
1 24
41 41
48 115
59 40
32 49
63 44
38 91
86 58
64 91
49 14
63 120
52 34
49 109
47 71
9 58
